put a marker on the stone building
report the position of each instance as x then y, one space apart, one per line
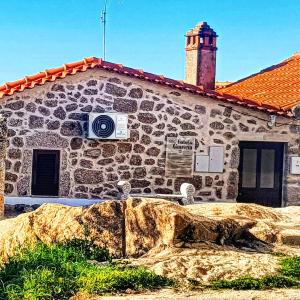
227 146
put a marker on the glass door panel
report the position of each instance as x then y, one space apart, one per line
249 168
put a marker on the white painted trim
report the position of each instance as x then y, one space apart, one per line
57 200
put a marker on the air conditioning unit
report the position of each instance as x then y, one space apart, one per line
108 126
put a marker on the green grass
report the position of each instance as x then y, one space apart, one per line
288 276
60 271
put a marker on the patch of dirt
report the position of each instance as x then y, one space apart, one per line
166 294
208 262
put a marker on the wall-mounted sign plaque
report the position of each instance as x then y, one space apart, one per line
179 156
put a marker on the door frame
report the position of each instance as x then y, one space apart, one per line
281 170
58 162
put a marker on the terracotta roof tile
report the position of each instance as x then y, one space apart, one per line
277 87
49 75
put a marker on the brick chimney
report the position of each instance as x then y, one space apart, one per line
200 50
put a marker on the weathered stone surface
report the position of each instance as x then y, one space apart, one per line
83 176
71 128
243 127
139 172
14 153
147 105
147 118
235 158
53 125
215 112
137 183
31 107
156 223
187 126
76 143
71 107
145 139
44 111
228 135
50 103
15 122
125 105
108 150
93 153
23 186
11 177
149 161
58 88
170 110
218 141
227 121
86 163
136 93
48 140
124 147
90 91
236 117
135 160
134 136
87 108
35 122
18 142
186 116
137 148
199 109
17 166
157 171
216 125
227 112
105 161
147 129
262 129
8 188
115 90
251 121
104 222
208 181
159 106
196 181
153 151
60 113
15 105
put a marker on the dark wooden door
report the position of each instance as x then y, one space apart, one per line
45 173
260 173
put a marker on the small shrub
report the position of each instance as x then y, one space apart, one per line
88 249
242 283
290 266
279 281
288 276
60 271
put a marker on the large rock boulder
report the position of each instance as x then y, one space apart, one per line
55 223
154 223
131 227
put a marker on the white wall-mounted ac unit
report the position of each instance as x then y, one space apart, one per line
108 126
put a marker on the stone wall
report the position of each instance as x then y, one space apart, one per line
54 116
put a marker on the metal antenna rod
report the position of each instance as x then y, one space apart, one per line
103 20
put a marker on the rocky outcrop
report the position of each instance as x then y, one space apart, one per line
203 242
130 228
158 223
55 223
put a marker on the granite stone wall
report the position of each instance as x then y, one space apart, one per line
54 116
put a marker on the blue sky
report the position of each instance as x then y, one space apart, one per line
145 34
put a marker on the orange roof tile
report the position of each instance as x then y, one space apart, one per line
49 75
277 86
